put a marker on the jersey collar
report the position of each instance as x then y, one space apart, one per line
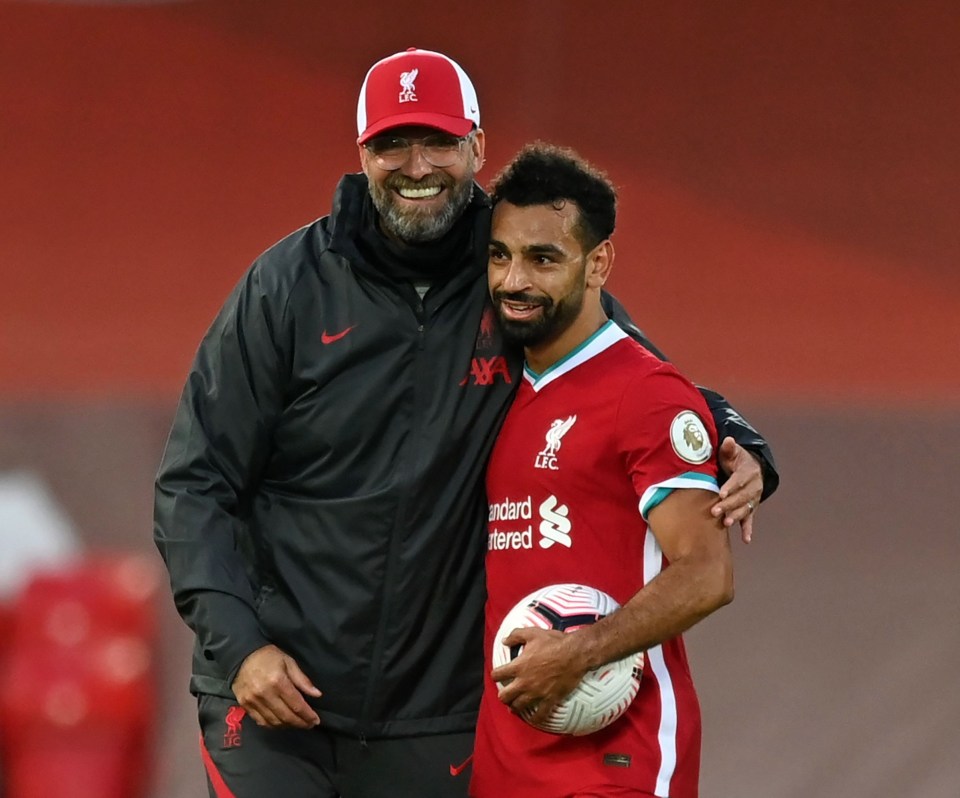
601 340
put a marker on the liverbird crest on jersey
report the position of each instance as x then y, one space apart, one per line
408 91
547 457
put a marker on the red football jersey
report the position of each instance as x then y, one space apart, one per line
587 449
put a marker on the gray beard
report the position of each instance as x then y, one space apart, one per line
419 227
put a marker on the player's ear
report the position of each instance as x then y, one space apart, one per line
599 264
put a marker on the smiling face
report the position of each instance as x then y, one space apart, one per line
545 288
419 202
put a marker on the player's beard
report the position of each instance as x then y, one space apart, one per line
413 225
555 318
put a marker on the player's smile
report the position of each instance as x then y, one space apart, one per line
518 309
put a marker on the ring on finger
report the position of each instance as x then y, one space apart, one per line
751 505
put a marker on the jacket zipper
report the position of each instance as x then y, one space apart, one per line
376 660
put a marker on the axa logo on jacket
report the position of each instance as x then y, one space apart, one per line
486 370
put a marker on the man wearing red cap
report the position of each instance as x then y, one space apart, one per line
320 504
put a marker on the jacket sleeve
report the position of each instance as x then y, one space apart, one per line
216 450
728 420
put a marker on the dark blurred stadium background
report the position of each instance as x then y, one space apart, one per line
790 182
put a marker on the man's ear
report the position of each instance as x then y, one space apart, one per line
600 264
362 153
479 144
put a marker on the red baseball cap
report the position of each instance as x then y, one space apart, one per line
417 87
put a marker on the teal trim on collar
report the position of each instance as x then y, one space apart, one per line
534 377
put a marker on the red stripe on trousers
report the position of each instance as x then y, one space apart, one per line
219 785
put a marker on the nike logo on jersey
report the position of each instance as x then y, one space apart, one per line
327 338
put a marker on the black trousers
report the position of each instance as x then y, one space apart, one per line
243 760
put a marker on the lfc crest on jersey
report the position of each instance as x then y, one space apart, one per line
547 457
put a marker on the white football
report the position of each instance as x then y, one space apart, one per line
603 694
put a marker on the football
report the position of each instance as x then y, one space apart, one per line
603 694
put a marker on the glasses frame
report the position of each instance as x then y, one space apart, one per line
391 165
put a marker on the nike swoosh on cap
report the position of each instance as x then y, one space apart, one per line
328 338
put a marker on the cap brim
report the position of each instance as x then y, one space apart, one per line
456 126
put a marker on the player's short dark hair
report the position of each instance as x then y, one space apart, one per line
544 174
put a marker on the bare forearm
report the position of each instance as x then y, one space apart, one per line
697 581
683 594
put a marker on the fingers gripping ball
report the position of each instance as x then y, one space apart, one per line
603 694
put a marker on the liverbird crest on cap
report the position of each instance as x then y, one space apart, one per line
417 87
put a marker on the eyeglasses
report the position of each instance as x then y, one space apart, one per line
438 149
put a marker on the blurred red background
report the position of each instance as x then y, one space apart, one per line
789 178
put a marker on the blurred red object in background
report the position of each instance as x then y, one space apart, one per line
78 688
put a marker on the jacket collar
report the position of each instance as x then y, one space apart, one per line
346 217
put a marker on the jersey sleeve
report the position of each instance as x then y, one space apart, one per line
667 437
725 416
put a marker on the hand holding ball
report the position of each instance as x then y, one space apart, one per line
604 693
